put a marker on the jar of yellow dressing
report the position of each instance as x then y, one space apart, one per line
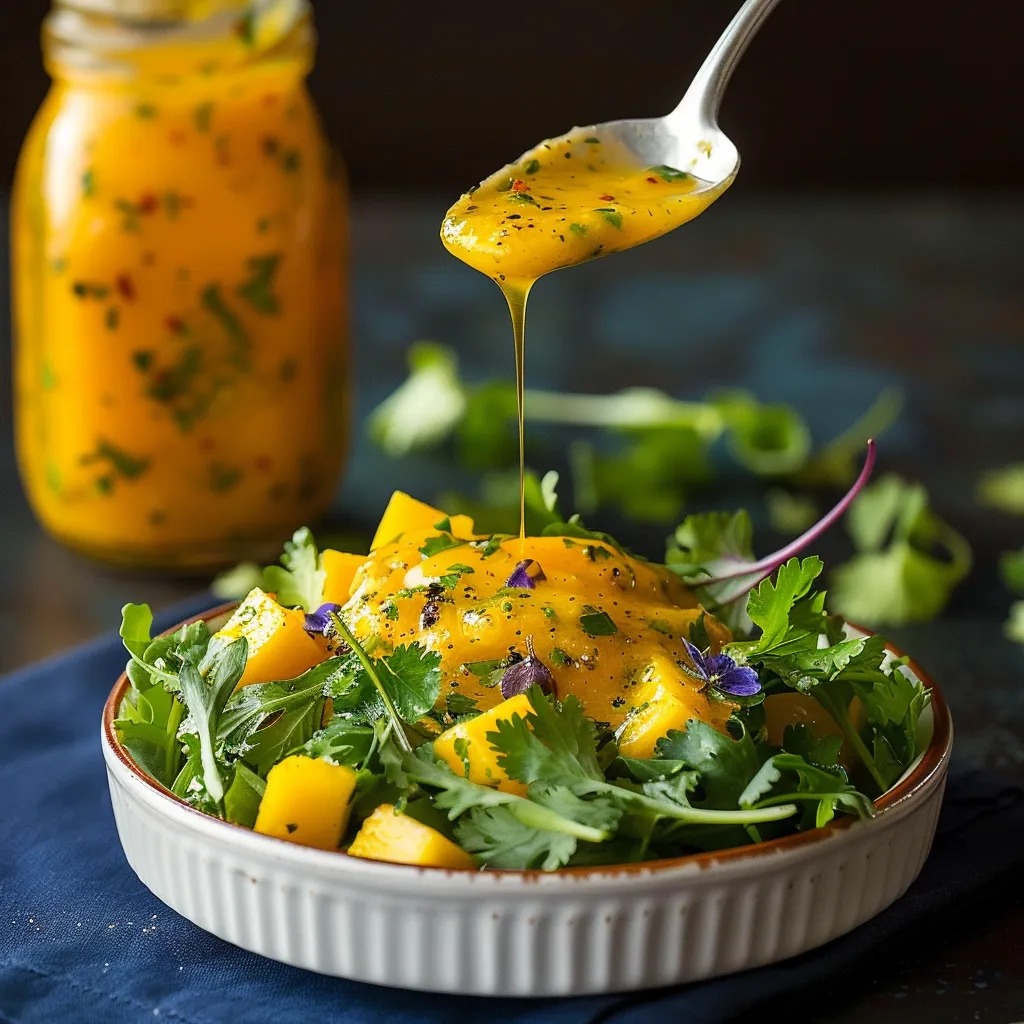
179 239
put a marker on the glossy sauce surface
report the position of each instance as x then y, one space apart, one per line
595 619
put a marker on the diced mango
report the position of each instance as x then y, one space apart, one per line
783 709
307 801
341 569
666 701
405 514
661 713
279 646
481 757
400 839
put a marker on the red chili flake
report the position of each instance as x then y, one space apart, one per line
177 137
606 198
270 99
148 258
207 444
270 145
125 287
263 463
520 186
175 324
148 203
653 181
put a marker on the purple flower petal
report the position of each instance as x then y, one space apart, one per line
701 666
320 620
718 665
739 681
526 574
518 678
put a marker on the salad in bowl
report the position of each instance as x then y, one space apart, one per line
489 702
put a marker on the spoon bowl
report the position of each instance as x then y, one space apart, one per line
689 138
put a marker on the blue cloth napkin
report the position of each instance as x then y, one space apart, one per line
81 939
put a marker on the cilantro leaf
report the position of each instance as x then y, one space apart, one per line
554 743
775 607
458 795
725 765
786 778
300 583
769 440
1014 627
823 751
1003 489
412 677
341 741
426 408
407 682
441 542
501 840
1011 569
909 560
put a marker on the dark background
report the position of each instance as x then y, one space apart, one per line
433 96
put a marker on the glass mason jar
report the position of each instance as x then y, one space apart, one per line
179 246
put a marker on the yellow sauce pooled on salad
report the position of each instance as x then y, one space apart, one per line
568 200
606 625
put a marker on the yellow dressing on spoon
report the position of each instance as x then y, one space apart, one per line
568 200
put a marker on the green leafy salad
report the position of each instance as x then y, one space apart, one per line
373 751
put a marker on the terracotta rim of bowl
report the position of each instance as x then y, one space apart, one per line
931 762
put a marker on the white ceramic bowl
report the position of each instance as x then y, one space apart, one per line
525 933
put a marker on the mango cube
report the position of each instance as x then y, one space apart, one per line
405 514
279 646
341 570
479 754
661 713
666 702
400 839
307 801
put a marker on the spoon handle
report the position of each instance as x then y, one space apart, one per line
705 93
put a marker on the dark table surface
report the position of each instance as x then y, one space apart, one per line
821 303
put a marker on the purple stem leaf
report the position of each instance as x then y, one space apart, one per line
748 577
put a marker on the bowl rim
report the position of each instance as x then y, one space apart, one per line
930 767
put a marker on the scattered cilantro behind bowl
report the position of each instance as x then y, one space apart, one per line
653 454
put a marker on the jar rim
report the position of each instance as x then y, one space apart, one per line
108 36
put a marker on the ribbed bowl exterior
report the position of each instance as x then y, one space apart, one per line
521 934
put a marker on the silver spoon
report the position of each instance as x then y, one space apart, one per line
689 138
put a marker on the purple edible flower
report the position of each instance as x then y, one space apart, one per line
526 574
722 673
320 620
521 675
